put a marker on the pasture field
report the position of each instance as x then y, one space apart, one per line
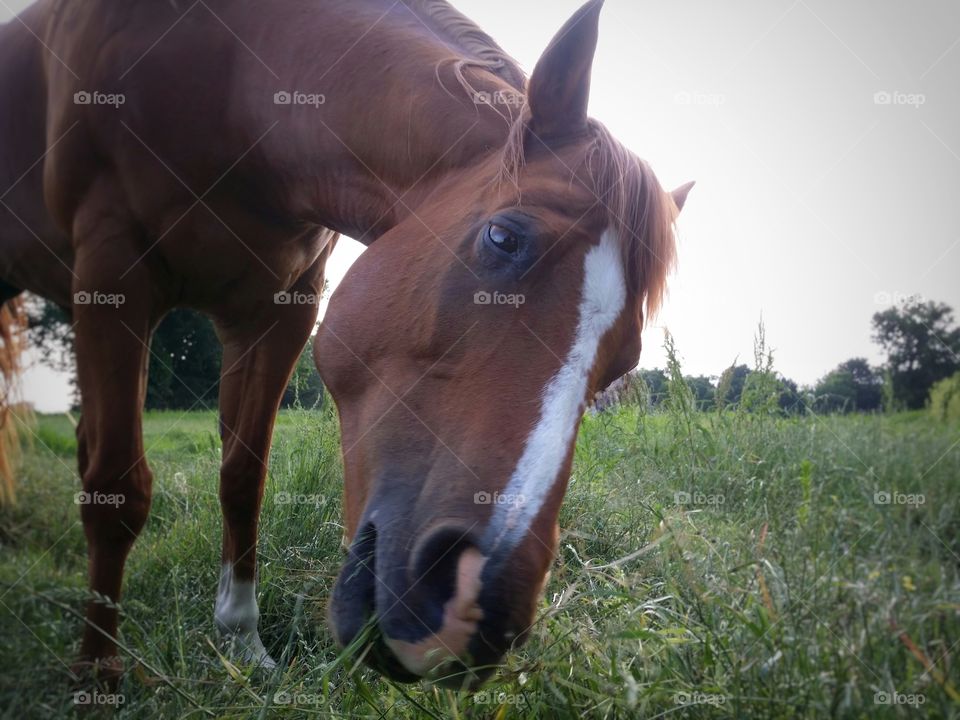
712 565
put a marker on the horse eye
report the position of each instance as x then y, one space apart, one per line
502 239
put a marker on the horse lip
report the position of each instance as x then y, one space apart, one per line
354 613
351 608
382 658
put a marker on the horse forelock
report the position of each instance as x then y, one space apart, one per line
638 209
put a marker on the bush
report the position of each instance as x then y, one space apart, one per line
945 398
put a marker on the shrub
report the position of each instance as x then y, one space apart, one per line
944 399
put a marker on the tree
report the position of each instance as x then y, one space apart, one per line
853 385
731 384
655 382
305 388
921 344
49 332
704 392
185 356
790 400
184 370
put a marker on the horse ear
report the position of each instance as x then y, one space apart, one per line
680 194
559 87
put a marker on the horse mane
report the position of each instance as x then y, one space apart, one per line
12 329
455 28
626 185
637 206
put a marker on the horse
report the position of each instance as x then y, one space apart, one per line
620 391
156 155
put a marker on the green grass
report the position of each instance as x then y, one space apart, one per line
781 590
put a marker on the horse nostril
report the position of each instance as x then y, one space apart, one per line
435 559
416 611
352 600
431 630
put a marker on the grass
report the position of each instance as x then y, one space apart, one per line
731 564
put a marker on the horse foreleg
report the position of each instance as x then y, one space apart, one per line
114 314
257 364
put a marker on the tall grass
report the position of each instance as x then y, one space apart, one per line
945 399
736 563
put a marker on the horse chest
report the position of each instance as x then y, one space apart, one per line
219 260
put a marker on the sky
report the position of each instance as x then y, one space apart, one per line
825 141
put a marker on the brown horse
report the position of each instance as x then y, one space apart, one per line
157 155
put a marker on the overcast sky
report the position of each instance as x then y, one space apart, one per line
825 141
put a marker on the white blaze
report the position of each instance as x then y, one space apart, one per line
602 300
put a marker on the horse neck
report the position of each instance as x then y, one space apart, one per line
417 122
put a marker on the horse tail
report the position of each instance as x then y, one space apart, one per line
12 327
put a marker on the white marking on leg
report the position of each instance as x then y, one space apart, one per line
603 299
236 614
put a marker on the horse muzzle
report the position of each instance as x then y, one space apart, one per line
427 605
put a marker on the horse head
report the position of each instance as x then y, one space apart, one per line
461 350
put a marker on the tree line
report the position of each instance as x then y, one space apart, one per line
185 357
922 347
919 338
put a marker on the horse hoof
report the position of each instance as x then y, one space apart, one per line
267 663
247 649
104 673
